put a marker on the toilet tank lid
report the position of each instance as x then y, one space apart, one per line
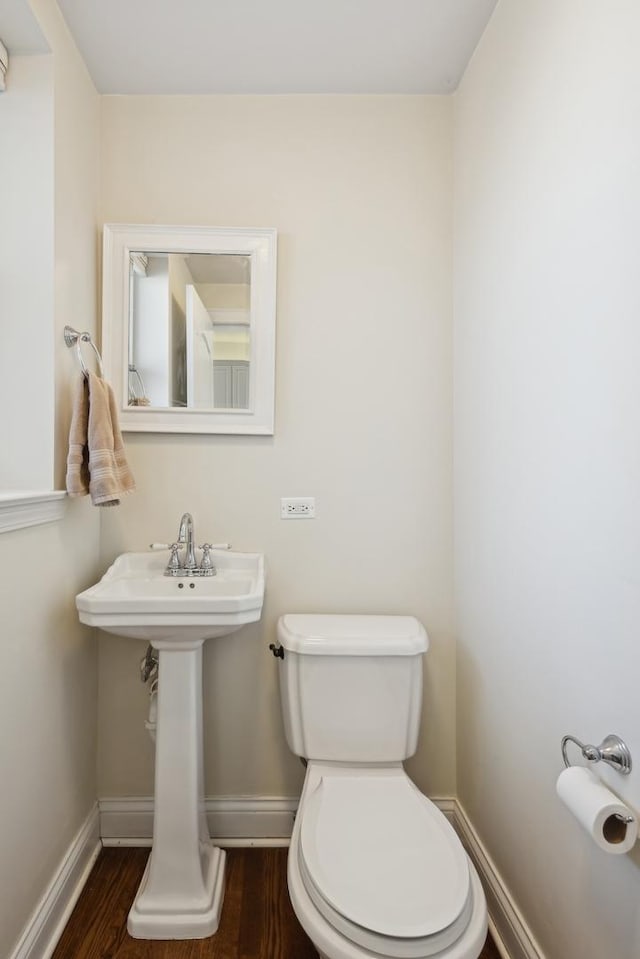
322 634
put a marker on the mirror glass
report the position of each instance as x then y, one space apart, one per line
189 327
189 330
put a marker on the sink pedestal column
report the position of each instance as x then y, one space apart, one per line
180 896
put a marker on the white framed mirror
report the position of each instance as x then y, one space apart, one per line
188 327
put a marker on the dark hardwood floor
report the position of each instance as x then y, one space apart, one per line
257 919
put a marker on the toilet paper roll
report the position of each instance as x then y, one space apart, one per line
597 810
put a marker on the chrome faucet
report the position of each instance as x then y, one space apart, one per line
187 565
185 538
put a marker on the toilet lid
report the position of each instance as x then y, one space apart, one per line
384 858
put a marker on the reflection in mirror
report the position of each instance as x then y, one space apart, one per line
189 330
188 327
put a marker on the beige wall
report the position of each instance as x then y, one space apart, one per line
547 452
547 459
47 710
47 661
359 189
78 240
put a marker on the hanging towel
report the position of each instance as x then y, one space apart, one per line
97 463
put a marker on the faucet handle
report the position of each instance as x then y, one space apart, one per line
174 559
206 566
205 562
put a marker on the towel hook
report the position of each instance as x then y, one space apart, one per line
612 750
74 338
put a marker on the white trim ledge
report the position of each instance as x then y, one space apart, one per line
21 508
512 935
46 924
232 820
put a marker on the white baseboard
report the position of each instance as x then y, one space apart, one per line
233 821
513 938
44 928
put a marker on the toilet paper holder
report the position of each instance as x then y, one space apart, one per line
612 751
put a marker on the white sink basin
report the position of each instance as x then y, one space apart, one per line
134 598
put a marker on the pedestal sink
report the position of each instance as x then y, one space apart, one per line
181 893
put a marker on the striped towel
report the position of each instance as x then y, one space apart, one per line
96 463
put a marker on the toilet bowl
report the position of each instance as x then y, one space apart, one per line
375 870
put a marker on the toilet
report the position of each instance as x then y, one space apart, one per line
375 871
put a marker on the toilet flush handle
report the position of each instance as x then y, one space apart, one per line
278 651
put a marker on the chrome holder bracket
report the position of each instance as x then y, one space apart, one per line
612 750
76 338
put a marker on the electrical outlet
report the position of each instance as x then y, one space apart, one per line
298 507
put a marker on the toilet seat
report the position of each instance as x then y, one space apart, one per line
382 865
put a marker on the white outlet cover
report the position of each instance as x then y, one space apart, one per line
298 507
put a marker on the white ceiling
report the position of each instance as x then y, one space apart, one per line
19 30
276 46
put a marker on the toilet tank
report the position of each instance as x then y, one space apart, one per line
351 686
